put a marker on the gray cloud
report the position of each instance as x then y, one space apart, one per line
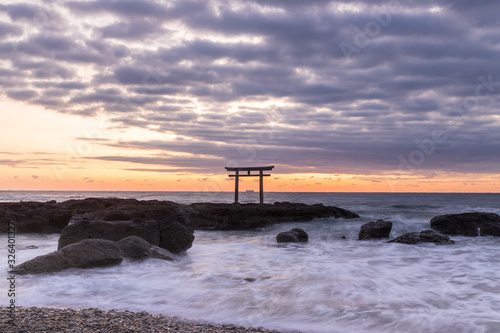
206 72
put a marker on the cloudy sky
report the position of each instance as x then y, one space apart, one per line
338 95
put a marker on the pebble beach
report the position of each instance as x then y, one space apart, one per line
46 319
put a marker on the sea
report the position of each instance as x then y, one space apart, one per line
330 284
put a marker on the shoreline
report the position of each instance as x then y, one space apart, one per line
55 319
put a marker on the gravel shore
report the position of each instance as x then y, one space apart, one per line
34 319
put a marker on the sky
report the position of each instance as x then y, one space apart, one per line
340 96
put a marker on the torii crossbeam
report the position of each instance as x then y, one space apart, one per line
261 176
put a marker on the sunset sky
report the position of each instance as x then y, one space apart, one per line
364 96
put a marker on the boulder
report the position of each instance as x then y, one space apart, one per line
110 230
294 235
172 236
467 224
135 247
160 253
175 237
426 236
84 254
379 229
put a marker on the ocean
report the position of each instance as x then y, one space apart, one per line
329 284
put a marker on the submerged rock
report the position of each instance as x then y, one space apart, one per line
84 254
378 229
426 236
467 224
294 235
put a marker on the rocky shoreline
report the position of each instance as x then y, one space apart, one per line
53 217
46 319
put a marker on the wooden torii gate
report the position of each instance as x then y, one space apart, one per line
249 174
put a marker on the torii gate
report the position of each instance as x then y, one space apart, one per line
248 170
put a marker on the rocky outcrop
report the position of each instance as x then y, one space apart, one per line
426 236
294 235
467 224
84 254
209 216
136 248
171 236
34 217
378 229
52 217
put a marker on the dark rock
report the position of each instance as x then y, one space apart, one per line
52 217
210 216
294 235
175 237
135 247
467 224
426 236
379 229
84 254
31 247
160 253
114 231
33 217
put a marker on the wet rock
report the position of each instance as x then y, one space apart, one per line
137 248
210 216
467 224
33 217
160 253
84 254
294 235
378 229
52 217
426 236
173 236
114 231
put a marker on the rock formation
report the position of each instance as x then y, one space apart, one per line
134 247
379 229
294 235
426 236
467 224
84 254
52 217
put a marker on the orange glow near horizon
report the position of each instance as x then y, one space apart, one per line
40 150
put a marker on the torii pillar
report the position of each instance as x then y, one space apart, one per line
261 176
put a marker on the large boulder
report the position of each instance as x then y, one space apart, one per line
426 236
135 247
467 224
84 254
171 236
378 229
110 230
294 235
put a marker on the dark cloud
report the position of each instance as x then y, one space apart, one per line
308 85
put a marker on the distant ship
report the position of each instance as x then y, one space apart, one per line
249 191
